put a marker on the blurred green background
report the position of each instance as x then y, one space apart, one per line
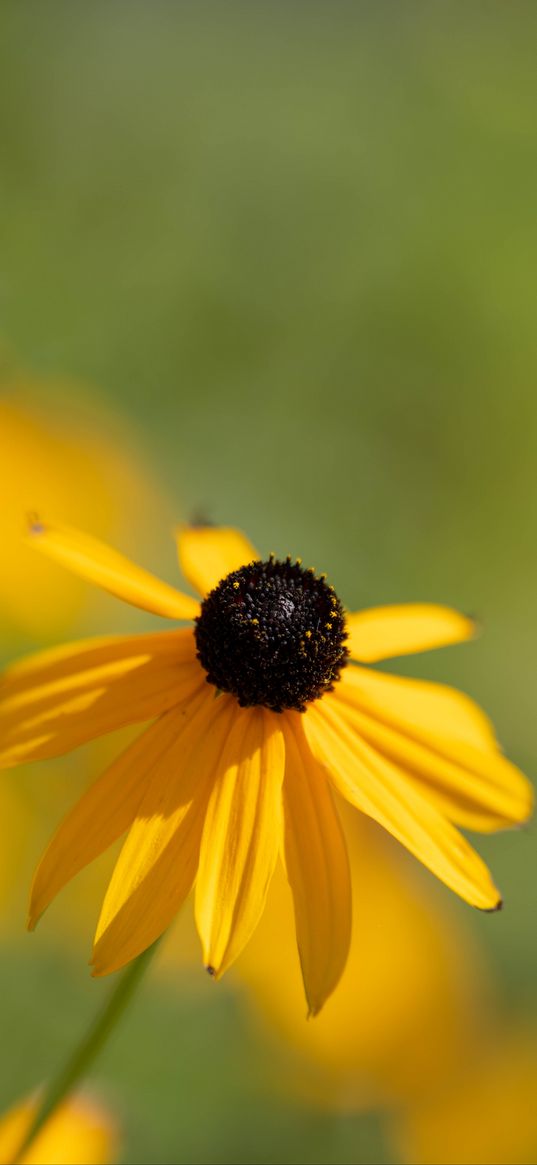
294 246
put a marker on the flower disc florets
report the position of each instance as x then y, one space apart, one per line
272 633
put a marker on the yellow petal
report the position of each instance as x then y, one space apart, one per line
433 708
80 1132
105 567
317 867
56 700
385 632
157 865
104 812
60 663
241 837
376 788
442 742
208 553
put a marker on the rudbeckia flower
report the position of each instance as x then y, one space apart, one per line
257 719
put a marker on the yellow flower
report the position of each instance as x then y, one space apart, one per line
485 1115
80 1132
255 721
412 1000
57 446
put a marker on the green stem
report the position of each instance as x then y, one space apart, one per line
89 1047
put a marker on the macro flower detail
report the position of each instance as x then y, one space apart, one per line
272 634
261 711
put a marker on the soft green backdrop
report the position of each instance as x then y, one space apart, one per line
296 244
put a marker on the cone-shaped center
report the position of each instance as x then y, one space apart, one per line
272 633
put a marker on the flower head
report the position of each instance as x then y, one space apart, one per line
256 723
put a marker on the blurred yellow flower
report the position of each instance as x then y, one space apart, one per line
57 449
414 994
415 1028
202 791
486 1115
80 1132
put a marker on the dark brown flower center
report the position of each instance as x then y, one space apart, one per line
272 633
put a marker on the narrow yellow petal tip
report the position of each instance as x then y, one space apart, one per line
35 911
100 967
493 909
316 1006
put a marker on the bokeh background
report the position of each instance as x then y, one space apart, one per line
275 264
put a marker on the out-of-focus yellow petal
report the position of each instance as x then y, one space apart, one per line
157 864
375 787
104 812
472 783
80 1132
208 553
317 866
485 1115
241 838
104 566
56 700
385 632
